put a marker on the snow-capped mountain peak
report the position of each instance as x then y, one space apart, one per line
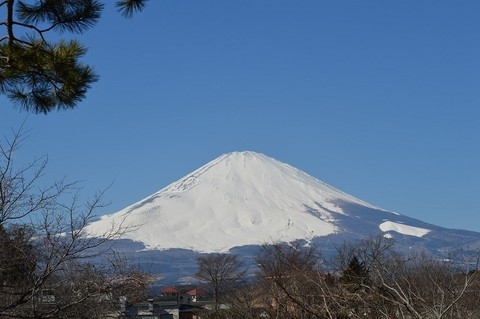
248 198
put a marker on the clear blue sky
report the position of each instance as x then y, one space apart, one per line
377 98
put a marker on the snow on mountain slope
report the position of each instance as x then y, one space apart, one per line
238 199
403 229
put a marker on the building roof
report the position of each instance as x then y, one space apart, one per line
195 292
169 290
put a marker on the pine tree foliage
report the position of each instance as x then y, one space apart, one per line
128 7
355 274
39 75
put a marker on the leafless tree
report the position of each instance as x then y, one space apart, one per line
293 280
367 279
245 302
421 286
45 263
221 273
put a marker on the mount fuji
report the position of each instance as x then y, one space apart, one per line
246 199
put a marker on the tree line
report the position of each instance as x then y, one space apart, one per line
365 279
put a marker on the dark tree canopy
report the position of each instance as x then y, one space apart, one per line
39 75
17 256
355 273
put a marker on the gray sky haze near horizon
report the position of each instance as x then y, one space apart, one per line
378 99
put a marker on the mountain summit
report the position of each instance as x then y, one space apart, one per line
247 198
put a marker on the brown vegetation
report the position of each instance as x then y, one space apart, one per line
367 279
46 253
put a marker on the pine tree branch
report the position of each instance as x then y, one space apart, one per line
9 21
128 7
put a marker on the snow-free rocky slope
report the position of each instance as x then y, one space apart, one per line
243 199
